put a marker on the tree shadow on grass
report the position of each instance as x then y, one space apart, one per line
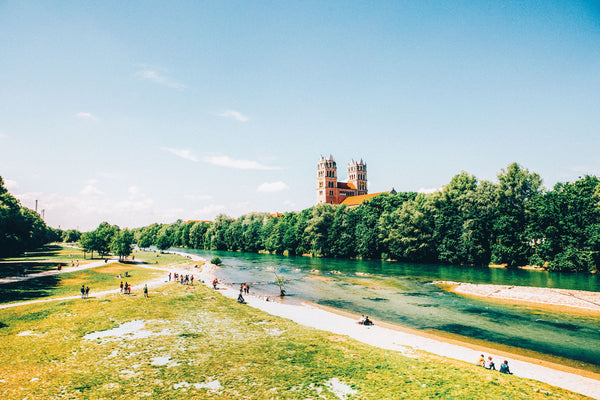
18 268
30 289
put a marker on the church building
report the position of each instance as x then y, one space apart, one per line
330 190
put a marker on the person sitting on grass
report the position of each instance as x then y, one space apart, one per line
504 368
490 364
481 361
240 299
367 322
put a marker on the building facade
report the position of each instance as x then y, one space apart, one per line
330 190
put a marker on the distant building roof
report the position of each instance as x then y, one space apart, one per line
346 185
191 221
353 201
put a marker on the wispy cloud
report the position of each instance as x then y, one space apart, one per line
154 76
183 153
272 187
225 161
238 116
86 115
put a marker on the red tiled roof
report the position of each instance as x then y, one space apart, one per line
345 185
352 201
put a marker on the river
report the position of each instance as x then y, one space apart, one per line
402 294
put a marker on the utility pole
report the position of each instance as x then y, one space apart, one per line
36 206
43 213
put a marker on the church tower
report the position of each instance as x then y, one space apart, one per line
357 176
327 181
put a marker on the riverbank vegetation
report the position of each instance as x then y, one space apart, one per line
514 222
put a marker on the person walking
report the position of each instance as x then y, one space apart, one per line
87 291
145 290
121 286
82 291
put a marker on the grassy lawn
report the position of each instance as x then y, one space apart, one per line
197 344
44 259
69 283
163 259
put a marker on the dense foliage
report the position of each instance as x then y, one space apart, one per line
21 229
108 239
513 222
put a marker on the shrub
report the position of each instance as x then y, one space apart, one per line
216 261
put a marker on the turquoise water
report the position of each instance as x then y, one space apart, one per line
403 294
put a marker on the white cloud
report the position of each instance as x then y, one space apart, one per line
271 187
428 190
238 116
183 153
225 161
86 115
90 190
10 185
209 212
197 197
156 77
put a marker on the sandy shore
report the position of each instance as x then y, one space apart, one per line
576 300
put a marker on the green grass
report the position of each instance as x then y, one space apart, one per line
43 259
69 283
253 355
163 259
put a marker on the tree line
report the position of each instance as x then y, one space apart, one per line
515 222
21 229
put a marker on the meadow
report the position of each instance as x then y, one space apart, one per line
195 343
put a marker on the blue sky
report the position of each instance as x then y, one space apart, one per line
141 112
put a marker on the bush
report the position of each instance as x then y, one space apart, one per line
216 261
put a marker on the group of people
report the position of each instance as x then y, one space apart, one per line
125 289
489 364
244 288
85 291
183 279
364 320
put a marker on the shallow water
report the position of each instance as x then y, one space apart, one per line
403 294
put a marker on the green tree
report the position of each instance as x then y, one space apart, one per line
516 190
121 244
411 230
318 228
565 226
71 236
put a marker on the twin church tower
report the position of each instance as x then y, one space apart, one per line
330 190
